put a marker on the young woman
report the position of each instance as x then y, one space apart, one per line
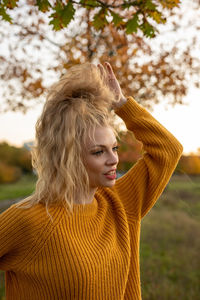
77 236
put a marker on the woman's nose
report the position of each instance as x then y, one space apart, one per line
113 159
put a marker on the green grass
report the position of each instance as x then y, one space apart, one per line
185 184
22 188
170 243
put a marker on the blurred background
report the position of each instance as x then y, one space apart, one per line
154 49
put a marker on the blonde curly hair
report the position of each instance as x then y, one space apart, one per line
75 105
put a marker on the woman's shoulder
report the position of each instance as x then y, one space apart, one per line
21 208
23 227
23 214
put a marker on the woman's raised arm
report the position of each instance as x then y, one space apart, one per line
141 186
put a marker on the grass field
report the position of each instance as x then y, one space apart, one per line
170 243
22 188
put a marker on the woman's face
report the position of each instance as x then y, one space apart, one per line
101 158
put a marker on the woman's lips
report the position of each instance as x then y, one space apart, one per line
111 175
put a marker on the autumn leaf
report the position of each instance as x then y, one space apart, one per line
89 3
148 29
116 18
68 13
157 16
43 5
170 3
99 20
62 16
132 25
10 4
4 15
148 4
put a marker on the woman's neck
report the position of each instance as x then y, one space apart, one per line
88 200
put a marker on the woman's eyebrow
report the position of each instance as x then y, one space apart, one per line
103 146
94 146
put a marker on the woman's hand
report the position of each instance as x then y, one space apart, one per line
112 82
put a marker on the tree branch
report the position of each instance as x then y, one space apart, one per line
105 5
38 34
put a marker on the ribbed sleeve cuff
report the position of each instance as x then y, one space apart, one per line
129 109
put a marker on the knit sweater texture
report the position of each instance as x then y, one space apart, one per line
94 253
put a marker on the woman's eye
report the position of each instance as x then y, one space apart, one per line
98 152
116 148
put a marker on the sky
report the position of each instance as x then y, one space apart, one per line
182 121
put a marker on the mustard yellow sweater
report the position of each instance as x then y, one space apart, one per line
93 254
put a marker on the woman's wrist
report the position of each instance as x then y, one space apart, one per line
121 102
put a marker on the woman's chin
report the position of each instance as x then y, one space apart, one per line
103 183
110 183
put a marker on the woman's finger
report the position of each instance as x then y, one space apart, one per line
102 71
109 69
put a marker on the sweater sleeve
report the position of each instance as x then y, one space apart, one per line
21 230
142 185
14 233
9 235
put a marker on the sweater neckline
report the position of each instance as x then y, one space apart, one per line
85 209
